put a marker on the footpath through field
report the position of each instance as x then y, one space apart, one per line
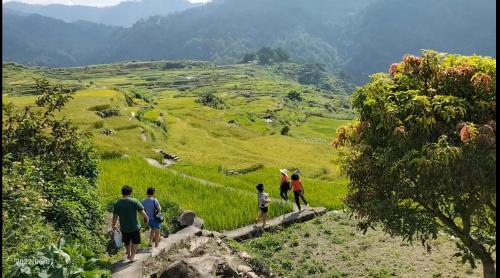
155 163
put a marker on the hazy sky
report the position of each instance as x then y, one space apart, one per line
83 2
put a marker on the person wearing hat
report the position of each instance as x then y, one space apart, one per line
263 199
298 190
284 184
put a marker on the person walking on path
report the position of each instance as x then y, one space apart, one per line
284 184
263 199
152 208
126 210
298 190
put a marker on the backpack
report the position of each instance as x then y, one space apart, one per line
267 199
286 185
158 215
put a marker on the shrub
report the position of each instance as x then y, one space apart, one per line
76 211
140 115
313 269
23 230
57 166
171 212
174 65
294 96
211 99
141 95
62 260
287 265
285 130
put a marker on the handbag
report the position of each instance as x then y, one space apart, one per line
117 236
158 215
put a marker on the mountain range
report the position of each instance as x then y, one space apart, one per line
124 14
352 38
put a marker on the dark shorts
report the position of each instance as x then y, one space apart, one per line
264 209
135 237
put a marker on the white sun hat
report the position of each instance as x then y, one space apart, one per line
284 171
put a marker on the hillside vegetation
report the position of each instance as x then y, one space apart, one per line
52 220
133 108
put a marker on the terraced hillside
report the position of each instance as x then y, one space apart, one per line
224 123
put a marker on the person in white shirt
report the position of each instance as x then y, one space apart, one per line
263 199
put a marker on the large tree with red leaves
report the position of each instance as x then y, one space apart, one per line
422 157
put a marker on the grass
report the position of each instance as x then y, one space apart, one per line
332 246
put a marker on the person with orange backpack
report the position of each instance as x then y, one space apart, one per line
298 189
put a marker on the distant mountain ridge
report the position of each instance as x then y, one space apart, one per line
388 29
124 14
352 38
38 40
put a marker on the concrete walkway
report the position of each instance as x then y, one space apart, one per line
134 269
271 224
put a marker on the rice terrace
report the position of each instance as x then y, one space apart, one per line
238 138
210 142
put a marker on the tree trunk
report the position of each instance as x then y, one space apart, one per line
488 268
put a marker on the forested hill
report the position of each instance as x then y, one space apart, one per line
388 29
358 37
225 31
38 40
125 14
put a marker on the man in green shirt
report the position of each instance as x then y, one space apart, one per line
126 209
